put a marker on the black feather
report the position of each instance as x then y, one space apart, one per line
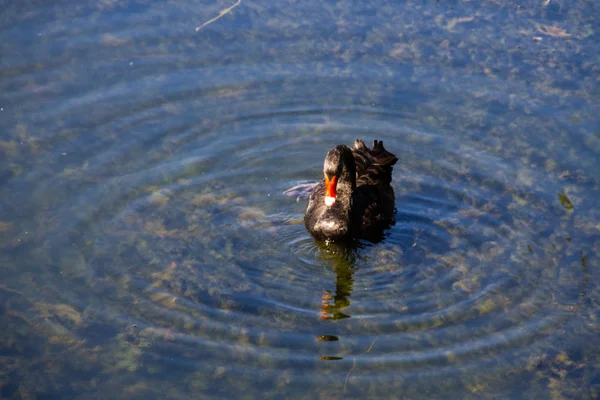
365 201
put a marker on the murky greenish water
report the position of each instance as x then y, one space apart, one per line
147 250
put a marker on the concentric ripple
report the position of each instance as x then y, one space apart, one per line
206 258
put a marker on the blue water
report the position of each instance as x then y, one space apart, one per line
148 249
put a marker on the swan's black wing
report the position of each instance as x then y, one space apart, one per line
373 166
373 200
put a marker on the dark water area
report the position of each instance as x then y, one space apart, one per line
147 248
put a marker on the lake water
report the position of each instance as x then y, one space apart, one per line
148 250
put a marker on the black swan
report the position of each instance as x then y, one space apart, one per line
355 199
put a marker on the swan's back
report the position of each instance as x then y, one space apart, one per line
374 199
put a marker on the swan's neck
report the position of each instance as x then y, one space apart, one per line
340 177
346 184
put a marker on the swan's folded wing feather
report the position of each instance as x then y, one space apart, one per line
373 166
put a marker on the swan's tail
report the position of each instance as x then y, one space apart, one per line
378 152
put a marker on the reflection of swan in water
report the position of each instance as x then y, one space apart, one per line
343 262
331 305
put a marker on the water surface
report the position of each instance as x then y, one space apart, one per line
148 250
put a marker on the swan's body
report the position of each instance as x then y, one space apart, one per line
355 198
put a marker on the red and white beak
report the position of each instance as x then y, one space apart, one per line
330 186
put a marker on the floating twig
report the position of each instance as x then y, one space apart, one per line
221 14
354 364
371 346
348 374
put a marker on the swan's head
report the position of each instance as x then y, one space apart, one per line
339 167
